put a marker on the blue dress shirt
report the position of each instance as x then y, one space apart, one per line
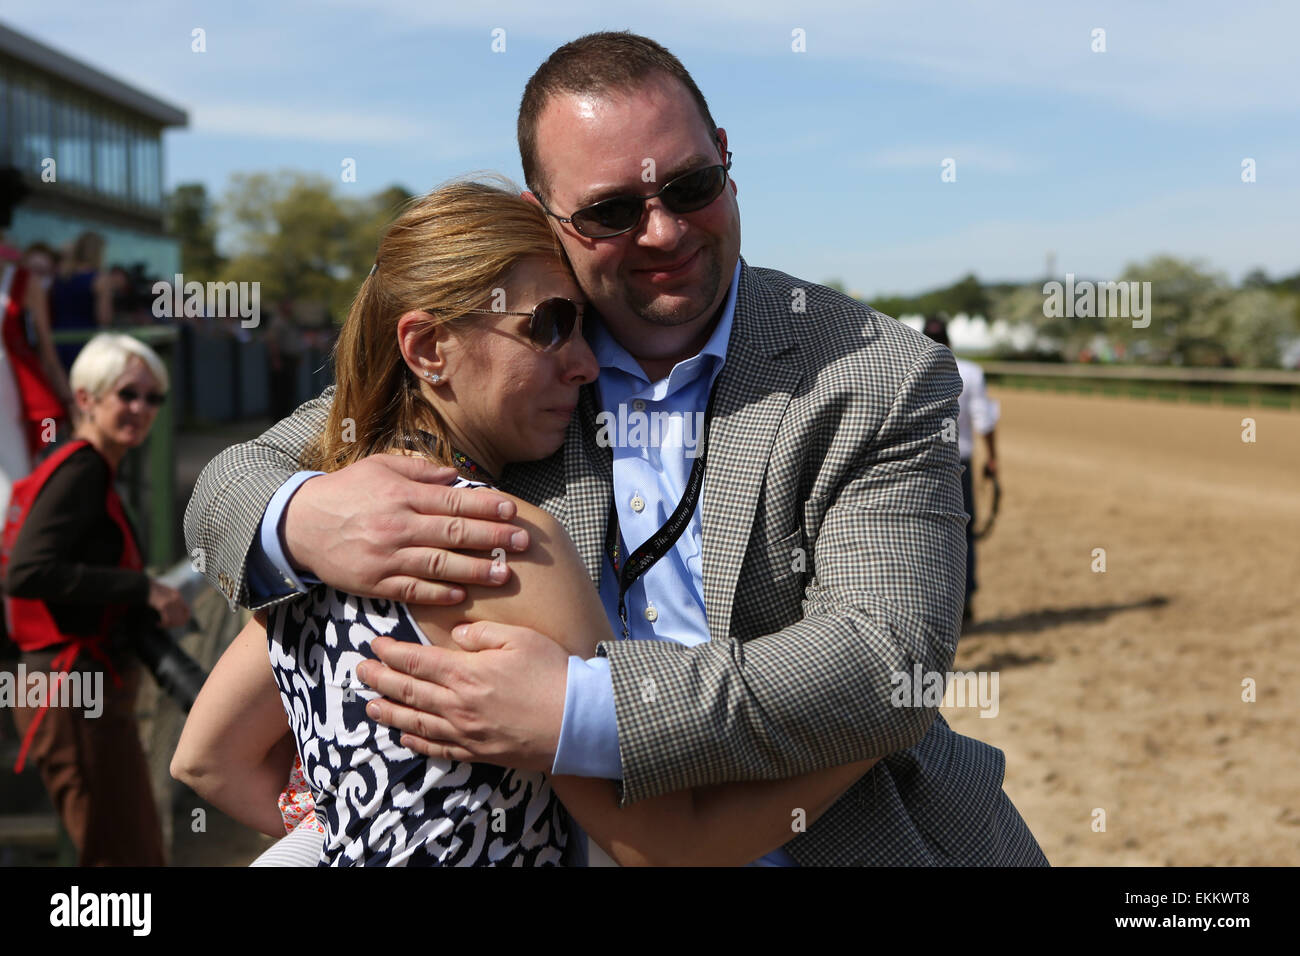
653 429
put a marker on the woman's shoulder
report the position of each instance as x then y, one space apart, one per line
81 472
525 510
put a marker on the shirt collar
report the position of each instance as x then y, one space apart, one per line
614 358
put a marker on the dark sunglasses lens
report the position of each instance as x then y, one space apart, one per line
129 395
553 322
612 215
695 190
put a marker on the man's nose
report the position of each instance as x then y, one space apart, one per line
663 227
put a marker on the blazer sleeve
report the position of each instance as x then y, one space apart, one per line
225 511
45 564
887 584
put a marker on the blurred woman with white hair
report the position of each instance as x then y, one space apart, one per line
76 593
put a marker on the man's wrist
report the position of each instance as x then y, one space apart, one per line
272 531
588 744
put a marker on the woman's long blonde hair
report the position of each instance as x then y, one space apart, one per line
446 251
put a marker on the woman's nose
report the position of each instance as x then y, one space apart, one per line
580 362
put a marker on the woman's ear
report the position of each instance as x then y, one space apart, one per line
423 345
84 400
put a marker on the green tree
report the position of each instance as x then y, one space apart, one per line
293 233
368 217
1257 321
190 217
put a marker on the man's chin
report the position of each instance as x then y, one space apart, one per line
669 314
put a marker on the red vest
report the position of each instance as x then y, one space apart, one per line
31 626
39 402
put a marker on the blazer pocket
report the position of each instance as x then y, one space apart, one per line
787 558
771 595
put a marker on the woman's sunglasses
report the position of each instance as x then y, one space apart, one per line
129 395
689 192
552 322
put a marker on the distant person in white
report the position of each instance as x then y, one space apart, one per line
976 413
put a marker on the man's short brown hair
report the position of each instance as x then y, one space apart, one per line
595 63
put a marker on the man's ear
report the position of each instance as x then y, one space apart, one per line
527 194
721 139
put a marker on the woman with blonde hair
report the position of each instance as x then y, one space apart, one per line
76 593
464 345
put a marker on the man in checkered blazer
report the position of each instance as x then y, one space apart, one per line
831 519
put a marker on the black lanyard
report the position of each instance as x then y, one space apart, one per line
657 545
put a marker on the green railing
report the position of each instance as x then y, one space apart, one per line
149 472
1270 388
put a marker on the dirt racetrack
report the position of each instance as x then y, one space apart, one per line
1122 690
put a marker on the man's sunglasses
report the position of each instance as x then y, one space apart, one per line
129 395
552 322
689 192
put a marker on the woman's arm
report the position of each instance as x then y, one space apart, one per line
724 824
39 307
236 750
102 287
729 824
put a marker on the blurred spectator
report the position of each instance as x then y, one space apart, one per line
82 299
42 262
119 286
76 593
285 347
976 412
132 296
30 388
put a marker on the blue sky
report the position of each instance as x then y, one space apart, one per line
1101 158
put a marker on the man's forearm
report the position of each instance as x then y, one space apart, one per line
789 716
224 515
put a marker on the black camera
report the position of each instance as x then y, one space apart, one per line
178 674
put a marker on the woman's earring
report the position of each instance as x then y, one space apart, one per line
432 376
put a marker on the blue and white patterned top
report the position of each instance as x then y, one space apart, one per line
382 804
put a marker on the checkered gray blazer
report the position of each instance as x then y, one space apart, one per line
834 557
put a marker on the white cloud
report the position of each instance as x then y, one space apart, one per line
1192 59
260 121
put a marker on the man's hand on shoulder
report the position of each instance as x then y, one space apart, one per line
389 526
497 699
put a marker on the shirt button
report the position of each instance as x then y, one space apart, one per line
638 405
651 614
637 503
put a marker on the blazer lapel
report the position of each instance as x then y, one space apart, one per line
589 480
754 388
